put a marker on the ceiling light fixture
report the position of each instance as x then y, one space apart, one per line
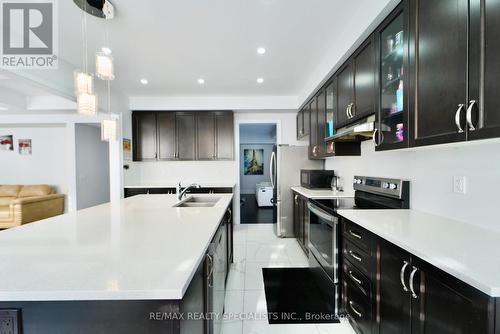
144 81
106 50
260 80
261 50
83 81
201 81
104 66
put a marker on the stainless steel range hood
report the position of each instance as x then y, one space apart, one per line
360 131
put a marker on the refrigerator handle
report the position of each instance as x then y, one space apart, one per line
272 168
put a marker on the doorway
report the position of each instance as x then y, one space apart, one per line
257 141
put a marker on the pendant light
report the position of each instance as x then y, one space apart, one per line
105 71
104 65
84 82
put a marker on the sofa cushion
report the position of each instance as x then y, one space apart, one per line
6 201
10 190
4 212
38 190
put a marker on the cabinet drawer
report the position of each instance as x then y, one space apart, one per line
357 278
358 308
358 235
360 259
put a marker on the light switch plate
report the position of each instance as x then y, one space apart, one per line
9 321
460 185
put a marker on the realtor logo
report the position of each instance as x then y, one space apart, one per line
29 34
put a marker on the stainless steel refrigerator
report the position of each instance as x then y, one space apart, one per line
285 165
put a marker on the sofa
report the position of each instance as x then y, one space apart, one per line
25 204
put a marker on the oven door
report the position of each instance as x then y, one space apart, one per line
323 240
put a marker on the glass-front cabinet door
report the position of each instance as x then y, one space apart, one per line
331 116
392 120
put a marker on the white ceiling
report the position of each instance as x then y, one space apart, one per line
173 43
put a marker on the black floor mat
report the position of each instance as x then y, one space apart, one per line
294 297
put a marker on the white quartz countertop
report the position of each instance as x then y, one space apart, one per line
173 185
463 250
140 248
321 193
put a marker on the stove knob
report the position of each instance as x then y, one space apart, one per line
385 185
393 186
359 181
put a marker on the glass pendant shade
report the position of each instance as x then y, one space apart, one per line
109 130
84 83
104 66
86 104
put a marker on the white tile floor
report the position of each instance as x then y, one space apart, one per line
256 247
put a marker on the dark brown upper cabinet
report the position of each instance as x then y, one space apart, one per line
167 149
356 85
144 136
166 135
321 130
345 97
186 135
214 136
303 123
313 130
224 135
483 116
300 124
331 115
391 43
446 68
205 129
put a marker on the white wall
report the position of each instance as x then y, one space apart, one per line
46 165
92 166
431 172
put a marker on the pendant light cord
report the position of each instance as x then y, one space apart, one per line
84 37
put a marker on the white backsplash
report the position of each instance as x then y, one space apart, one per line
431 171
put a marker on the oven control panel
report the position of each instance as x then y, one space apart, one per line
390 187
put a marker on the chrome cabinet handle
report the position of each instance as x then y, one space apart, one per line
375 137
402 275
412 279
297 199
355 235
357 280
230 214
355 256
315 150
351 304
210 258
457 118
351 108
469 115
347 111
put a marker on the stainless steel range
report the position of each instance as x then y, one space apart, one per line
324 231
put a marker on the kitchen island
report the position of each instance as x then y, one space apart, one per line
112 267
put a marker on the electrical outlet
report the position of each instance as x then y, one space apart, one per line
460 185
9 321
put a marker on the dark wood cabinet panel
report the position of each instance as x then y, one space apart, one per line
321 130
485 114
300 124
345 91
364 81
166 136
301 221
306 118
439 59
394 303
444 305
144 130
205 136
224 125
186 140
313 129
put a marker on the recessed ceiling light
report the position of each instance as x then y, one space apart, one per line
261 50
144 81
201 81
260 80
106 50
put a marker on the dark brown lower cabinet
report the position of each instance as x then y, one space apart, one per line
410 295
301 220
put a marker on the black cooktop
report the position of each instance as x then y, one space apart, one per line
332 205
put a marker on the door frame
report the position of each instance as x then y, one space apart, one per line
237 123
